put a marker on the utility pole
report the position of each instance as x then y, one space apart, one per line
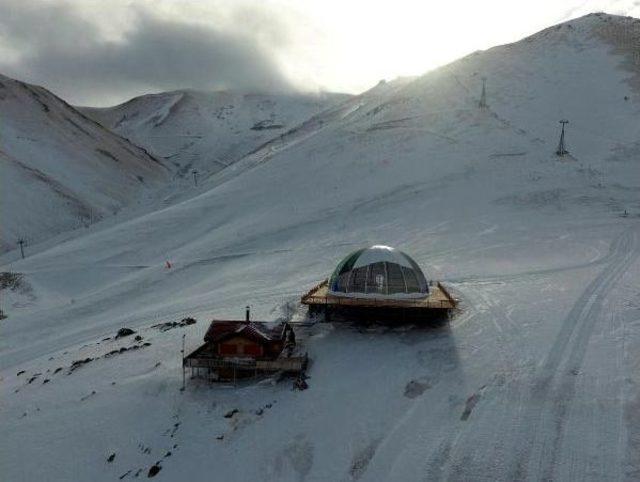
21 243
182 362
195 177
483 97
561 147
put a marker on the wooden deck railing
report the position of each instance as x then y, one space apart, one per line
453 301
311 298
288 364
309 294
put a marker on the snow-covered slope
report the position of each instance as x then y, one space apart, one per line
535 379
208 131
59 169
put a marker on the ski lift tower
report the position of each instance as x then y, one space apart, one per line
561 147
21 243
483 97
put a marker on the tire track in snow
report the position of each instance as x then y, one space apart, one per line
508 454
554 389
453 459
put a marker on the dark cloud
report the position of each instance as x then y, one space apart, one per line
63 51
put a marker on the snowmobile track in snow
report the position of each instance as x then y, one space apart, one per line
554 388
529 443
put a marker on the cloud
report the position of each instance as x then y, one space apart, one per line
54 45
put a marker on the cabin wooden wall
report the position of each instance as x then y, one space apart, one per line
238 346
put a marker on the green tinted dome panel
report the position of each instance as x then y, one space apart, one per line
378 272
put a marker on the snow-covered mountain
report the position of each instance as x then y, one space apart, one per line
536 377
59 169
208 131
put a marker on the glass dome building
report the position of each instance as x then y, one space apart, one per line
378 272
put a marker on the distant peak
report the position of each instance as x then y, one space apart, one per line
596 19
582 29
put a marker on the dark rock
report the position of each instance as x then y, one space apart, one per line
46 380
93 392
125 474
78 363
122 332
169 325
36 375
469 405
220 437
153 471
138 338
111 457
231 413
166 326
414 389
265 125
300 384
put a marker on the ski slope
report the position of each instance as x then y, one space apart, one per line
60 170
535 378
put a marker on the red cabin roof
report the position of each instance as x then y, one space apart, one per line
257 331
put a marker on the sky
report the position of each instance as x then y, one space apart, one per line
100 53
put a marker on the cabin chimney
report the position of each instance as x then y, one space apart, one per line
248 314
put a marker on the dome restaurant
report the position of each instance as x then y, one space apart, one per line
382 284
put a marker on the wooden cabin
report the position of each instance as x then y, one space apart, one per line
237 349
245 339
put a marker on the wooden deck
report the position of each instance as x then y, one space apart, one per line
285 364
438 299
